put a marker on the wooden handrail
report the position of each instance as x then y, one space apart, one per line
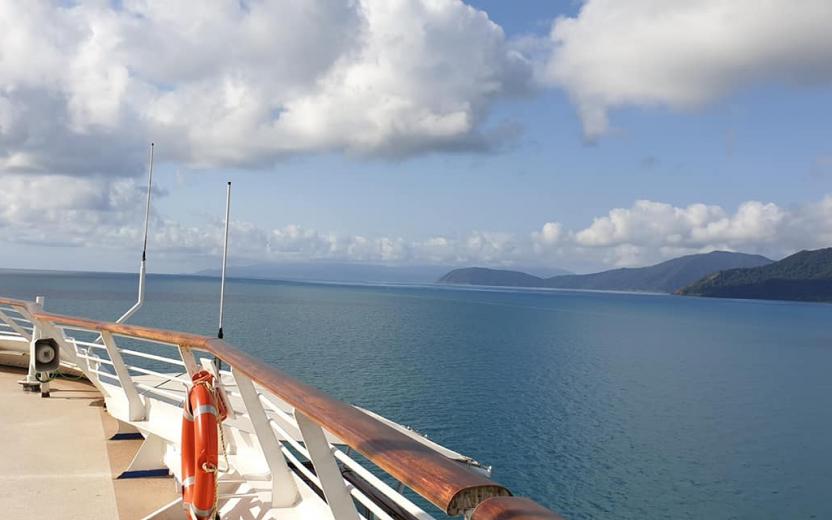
13 302
445 483
512 508
173 337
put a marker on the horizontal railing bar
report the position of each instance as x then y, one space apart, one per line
382 486
164 377
7 308
154 357
105 374
20 319
283 433
7 326
354 491
95 359
280 414
159 391
366 502
273 407
302 468
89 344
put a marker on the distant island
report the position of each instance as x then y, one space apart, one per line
492 277
805 276
666 277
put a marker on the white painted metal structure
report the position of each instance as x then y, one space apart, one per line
143 265
277 461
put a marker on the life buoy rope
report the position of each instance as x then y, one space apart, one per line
202 415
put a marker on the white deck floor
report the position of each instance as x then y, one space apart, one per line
54 462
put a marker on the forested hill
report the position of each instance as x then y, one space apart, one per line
495 277
667 276
664 277
806 275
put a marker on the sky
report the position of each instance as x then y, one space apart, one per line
526 134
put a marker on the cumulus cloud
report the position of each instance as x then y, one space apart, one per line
66 210
650 231
83 85
684 54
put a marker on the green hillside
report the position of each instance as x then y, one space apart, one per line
806 275
667 276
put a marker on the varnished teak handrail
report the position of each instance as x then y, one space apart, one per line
512 508
445 483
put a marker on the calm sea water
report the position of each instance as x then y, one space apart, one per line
597 405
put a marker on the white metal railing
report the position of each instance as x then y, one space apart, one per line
288 441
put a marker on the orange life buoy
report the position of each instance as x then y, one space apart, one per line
201 416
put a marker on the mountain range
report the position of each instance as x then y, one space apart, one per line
666 277
343 272
806 275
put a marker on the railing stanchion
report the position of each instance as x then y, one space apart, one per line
284 489
326 467
136 407
188 358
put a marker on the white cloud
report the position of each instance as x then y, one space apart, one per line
69 210
551 233
652 231
105 213
85 85
683 54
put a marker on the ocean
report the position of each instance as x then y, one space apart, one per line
598 405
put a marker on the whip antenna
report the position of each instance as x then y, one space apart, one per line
142 267
224 254
217 360
147 206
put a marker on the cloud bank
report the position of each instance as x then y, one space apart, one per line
105 214
683 54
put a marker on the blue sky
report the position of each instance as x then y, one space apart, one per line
750 130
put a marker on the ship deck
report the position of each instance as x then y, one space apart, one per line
58 462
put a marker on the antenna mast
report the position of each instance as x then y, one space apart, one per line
224 254
142 268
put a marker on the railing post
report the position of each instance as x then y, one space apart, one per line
326 467
135 405
188 358
284 488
